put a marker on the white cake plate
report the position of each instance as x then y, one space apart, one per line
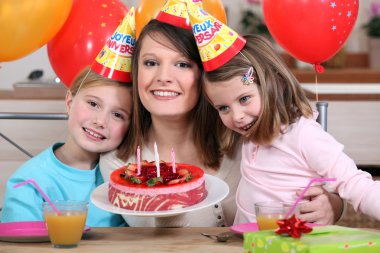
217 190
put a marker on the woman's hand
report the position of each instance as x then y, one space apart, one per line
324 207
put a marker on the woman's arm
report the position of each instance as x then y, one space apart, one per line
324 207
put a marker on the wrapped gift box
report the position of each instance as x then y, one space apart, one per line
323 239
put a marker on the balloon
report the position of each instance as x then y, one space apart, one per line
148 9
27 25
310 30
87 29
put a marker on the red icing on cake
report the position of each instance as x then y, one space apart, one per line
145 192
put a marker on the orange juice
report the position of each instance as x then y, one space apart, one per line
67 228
268 221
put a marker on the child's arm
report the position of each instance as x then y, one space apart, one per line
21 204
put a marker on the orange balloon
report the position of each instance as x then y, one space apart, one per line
148 10
26 25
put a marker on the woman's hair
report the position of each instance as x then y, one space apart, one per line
203 115
282 99
88 78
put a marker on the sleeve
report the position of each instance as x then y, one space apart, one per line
325 155
108 163
319 149
21 204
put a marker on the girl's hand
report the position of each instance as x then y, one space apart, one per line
324 208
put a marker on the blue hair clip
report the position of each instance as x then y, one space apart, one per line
248 78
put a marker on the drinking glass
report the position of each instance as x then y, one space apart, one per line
267 213
66 227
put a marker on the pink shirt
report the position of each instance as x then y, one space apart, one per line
303 152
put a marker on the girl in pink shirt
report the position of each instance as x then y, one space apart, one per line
258 97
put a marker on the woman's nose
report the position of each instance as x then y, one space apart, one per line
164 74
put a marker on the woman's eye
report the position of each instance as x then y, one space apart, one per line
244 99
150 63
184 65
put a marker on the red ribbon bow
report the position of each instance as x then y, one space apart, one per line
293 227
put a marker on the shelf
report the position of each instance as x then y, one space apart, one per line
346 75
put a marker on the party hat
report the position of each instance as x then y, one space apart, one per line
217 43
115 59
174 12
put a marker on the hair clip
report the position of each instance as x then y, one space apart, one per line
248 78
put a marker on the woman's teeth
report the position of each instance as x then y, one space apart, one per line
165 93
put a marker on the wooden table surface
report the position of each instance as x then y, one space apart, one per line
112 240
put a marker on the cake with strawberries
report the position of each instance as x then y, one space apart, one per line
144 191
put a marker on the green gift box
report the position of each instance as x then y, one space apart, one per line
323 239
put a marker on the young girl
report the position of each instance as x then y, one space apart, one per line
258 97
99 111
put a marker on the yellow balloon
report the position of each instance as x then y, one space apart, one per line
26 25
148 9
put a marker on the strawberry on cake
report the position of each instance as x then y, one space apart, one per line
147 192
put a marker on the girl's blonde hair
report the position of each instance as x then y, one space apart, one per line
283 99
88 78
203 115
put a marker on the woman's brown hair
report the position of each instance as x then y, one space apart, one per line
283 100
203 115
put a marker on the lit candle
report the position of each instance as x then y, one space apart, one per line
138 161
157 158
173 161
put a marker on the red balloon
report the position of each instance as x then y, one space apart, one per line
310 30
85 32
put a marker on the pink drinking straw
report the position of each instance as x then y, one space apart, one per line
173 161
42 193
312 181
138 161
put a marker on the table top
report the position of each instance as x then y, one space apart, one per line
126 239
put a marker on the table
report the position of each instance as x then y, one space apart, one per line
125 239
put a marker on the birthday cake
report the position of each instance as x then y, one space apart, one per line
143 191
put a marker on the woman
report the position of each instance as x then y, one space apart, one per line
170 110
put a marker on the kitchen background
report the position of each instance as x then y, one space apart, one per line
350 85
18 71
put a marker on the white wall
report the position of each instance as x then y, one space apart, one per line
16 71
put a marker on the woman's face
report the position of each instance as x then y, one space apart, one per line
167 80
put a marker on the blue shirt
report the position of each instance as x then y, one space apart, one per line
59 182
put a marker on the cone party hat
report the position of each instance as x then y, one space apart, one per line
217 43
174 12
115 59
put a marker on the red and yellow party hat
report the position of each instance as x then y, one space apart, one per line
217 43
115 59
174 12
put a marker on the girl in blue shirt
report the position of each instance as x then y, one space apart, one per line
99 111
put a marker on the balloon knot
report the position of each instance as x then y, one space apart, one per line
319 68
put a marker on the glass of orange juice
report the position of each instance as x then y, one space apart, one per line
267 213
66 228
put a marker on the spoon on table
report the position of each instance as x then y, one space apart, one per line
222 237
